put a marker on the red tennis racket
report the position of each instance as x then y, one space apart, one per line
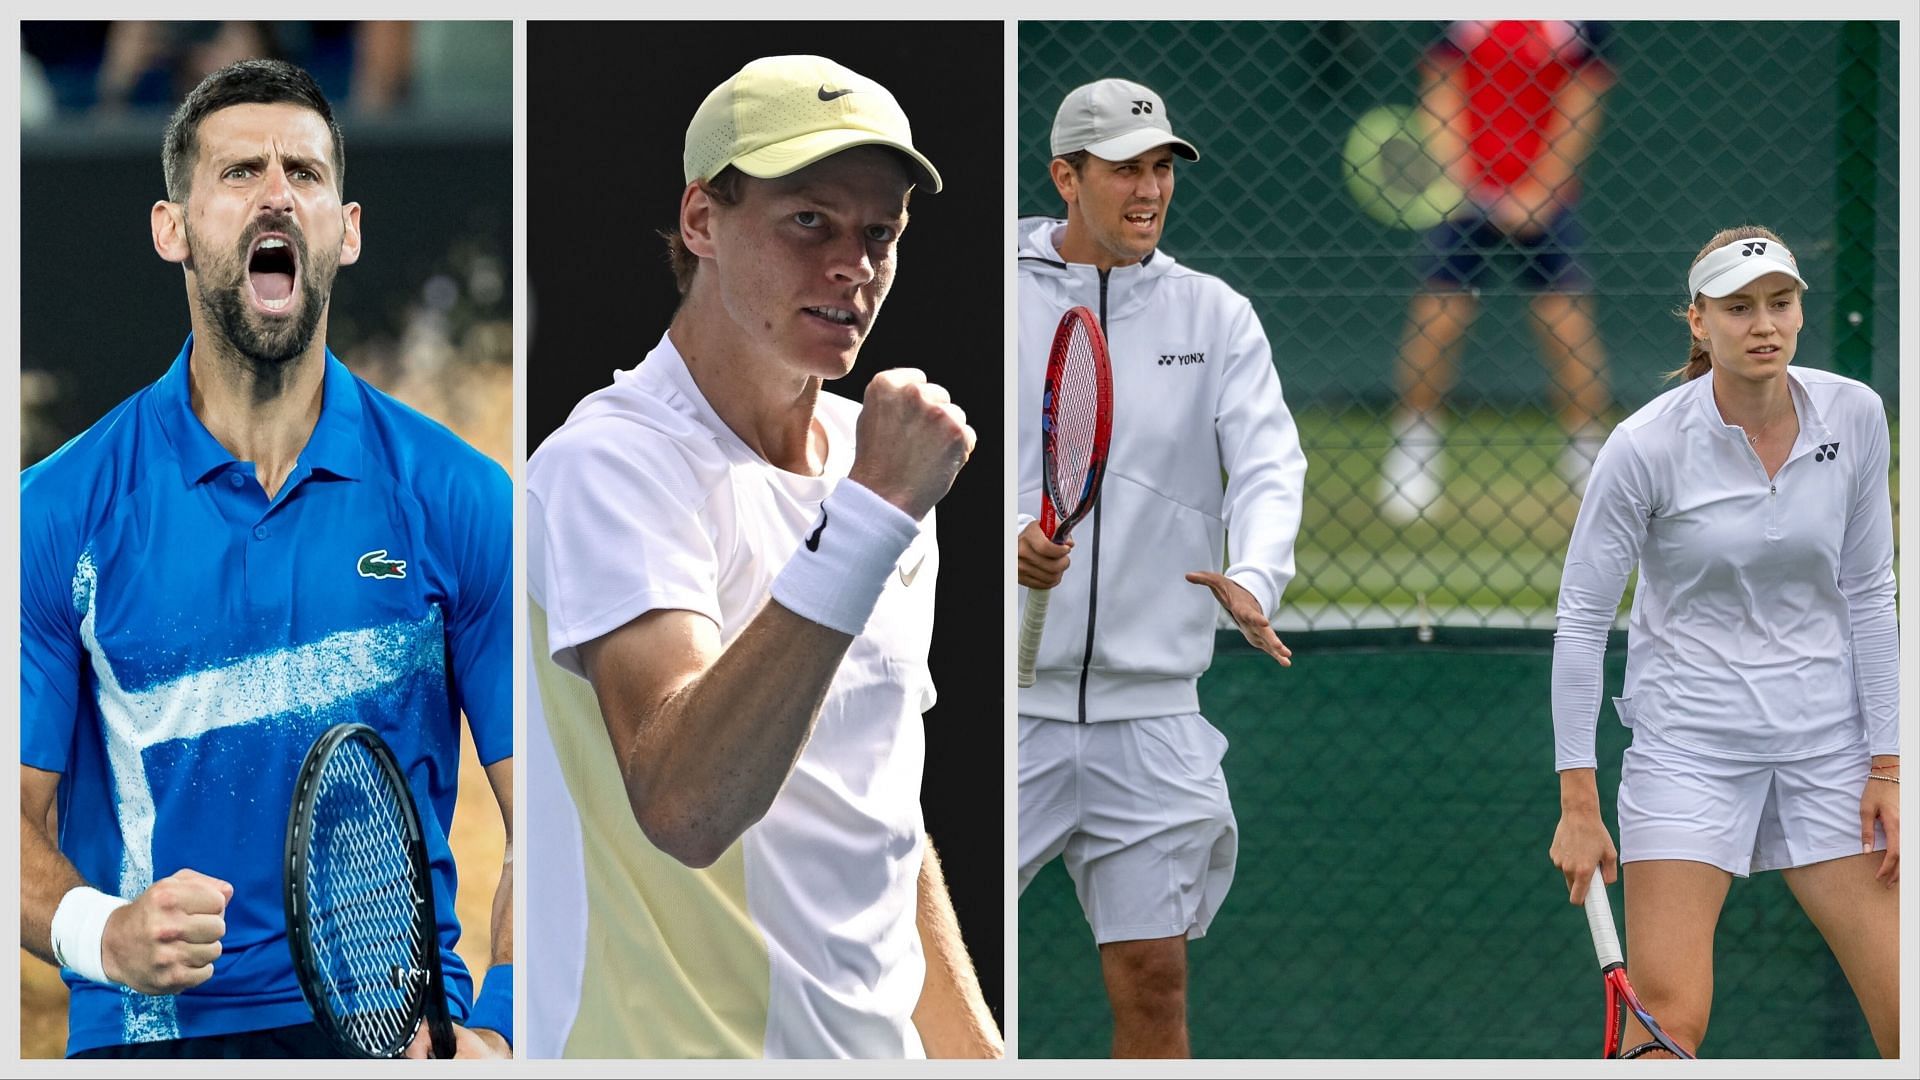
1613 968
1076 421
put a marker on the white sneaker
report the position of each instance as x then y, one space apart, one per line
1410 477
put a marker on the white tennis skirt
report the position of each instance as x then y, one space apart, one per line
1741 816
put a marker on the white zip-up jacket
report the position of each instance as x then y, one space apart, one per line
1204 459
1763 628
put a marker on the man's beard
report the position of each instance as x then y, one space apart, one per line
268 344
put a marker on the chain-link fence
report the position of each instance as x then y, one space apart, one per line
1393 896
1454 343
1451 381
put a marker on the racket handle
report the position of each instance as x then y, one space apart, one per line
1031 623
439 1022
1606 941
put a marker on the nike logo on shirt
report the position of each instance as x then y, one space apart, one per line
907 576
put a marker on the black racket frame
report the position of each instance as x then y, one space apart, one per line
431 1006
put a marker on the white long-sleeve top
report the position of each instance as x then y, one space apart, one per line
1763 627
1195 396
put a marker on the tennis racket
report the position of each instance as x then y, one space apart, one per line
1613 969
359 895
1076 421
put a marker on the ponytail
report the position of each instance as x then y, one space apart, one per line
1699 361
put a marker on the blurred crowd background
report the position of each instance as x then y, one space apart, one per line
426 111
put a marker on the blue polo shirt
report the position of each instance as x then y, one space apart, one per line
184 639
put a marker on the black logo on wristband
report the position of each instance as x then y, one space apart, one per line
813 542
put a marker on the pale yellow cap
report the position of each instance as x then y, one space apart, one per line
780 114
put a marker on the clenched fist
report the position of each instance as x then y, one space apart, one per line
911 441
167 939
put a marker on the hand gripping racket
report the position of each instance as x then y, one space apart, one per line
1613 967
359 895
1076 420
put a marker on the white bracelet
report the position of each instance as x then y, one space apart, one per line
79 924
838 571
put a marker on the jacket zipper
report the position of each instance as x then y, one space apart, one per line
1093 583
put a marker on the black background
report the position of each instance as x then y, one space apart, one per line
607 109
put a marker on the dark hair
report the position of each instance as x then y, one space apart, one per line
249 82
1699 361
724 190
1076 159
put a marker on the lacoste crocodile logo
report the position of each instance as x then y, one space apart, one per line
375 564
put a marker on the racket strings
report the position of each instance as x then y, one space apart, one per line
1074 421
367 940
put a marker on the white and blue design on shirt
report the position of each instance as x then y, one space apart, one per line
185 638
312 680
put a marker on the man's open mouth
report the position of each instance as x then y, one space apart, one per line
836 315
272 273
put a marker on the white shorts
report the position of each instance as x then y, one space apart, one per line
1741 816
1139 809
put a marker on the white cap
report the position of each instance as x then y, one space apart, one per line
1730 267
1116 120
780 114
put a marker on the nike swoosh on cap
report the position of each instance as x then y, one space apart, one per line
829 95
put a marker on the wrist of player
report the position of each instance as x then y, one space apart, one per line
493 1006
80 931
1579 792
836 575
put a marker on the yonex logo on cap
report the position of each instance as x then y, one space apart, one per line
1732 266
1114 119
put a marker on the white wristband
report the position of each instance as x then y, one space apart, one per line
837 573
79 924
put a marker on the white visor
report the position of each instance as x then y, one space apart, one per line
1729 268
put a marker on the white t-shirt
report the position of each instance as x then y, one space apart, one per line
801 941
1763 626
